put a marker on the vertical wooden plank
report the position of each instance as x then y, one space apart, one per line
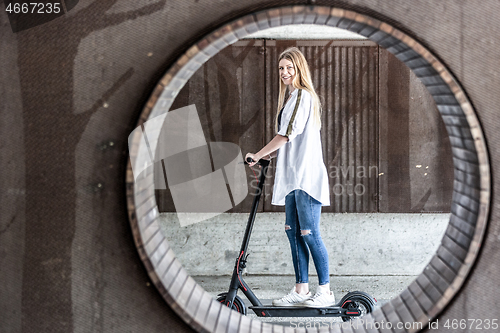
415 150
344 143
395 192
336 109
383 184
375 131
361 185
359 153
273 50
249 106
270 79
351 118
328 120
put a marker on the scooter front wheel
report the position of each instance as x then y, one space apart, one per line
358 301
238 304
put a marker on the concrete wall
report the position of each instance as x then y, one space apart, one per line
358 244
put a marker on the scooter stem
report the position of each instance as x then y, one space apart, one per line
237 281
258 193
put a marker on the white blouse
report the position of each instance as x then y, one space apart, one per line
300 163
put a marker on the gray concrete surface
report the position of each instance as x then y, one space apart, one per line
358 244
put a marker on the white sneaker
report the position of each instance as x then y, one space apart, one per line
292 299
320 300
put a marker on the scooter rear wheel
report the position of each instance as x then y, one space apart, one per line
237 306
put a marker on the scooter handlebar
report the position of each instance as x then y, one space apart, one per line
261 162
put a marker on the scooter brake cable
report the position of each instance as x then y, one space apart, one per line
255 175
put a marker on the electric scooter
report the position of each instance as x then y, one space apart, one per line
353 304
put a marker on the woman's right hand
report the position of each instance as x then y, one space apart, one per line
253 157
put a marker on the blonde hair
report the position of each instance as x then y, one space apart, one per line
302 80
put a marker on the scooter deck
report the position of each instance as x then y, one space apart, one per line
302 311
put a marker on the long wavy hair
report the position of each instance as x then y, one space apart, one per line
302 80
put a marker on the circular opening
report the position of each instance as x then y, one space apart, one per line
441 279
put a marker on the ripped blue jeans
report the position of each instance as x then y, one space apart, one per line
302 228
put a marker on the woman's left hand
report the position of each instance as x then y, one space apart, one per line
253 157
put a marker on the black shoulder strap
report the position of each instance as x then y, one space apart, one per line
289 128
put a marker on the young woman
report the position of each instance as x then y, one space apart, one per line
301 181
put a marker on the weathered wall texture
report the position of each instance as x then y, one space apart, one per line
358 244
72 86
